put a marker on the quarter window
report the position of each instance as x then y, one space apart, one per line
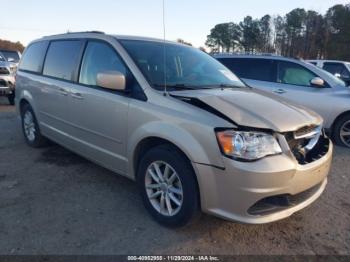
62 59
33 57
250 68
99 57
294 74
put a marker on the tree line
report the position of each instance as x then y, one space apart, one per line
8 45
300 33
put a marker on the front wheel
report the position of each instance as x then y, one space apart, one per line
168 186
341 131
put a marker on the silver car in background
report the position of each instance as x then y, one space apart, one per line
300 82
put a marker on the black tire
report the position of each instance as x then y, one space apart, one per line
11 99
39 140
190 208
338 126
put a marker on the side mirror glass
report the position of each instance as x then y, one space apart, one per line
317 82
113 80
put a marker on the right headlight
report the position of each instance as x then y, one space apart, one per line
247 145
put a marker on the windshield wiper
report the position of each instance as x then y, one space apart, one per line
223 86
176 86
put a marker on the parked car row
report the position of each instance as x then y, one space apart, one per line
303 83
173 118
7 78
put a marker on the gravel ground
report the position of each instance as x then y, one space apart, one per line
55 202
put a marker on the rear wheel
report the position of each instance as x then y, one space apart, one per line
168 186
30 128
341 130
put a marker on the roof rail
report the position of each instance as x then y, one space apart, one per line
82 32
245 53
92 32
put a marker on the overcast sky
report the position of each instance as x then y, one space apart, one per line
191 20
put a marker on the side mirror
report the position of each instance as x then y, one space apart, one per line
317 82
113 80
337 75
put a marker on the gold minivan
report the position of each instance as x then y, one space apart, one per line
174 119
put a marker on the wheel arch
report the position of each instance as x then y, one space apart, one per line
337 119
153 141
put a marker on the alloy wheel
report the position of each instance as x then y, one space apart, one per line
164 188
345 133
29 125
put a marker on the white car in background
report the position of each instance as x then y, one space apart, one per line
340 69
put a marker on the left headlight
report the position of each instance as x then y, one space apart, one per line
247 145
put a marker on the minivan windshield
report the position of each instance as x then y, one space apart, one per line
182 67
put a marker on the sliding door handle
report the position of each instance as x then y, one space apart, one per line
77 95
279 91
63 91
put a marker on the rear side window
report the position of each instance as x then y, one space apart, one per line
294 74
337 68
33 57
256 69
62 59
99 57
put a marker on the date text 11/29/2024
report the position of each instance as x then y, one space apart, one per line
173 258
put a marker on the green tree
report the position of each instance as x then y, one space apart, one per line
338 32
224 37
15 46
265 34
250 34
295 25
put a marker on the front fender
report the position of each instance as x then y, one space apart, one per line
195 150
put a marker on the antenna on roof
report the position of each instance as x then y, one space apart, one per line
164 49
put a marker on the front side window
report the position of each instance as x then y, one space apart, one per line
178 66
33 57
337 68
294 74
62 59
99 57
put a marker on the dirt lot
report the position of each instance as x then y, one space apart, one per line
55 202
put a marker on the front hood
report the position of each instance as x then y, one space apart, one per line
253 108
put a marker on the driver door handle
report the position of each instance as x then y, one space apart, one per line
279 91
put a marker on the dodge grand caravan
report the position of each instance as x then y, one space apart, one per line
174 119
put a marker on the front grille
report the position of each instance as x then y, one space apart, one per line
277 203
3 82
299 141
